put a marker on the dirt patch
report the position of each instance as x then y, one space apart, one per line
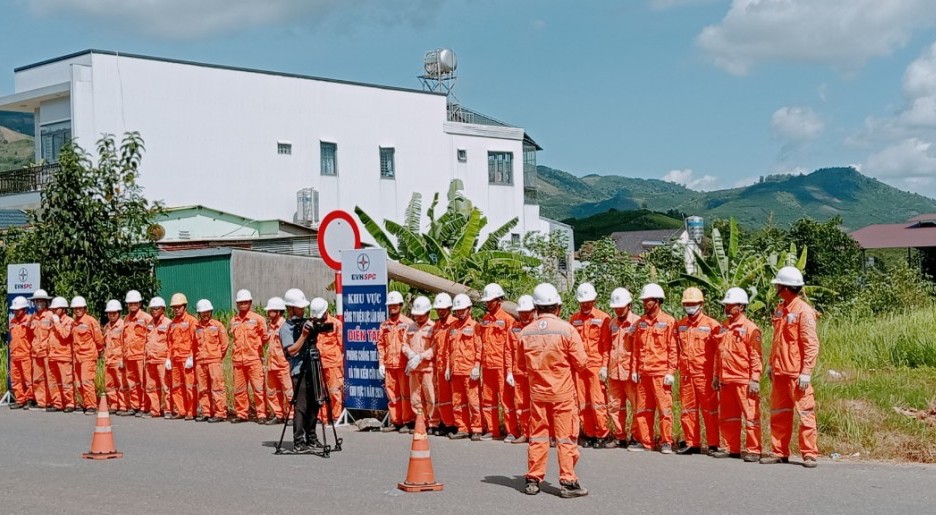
862 410
925 415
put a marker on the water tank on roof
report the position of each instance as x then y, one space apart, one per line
695 226
440 62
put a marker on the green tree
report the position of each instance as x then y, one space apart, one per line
835 257
607 268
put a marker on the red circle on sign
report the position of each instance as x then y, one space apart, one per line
336 228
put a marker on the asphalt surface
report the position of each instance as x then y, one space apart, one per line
186 467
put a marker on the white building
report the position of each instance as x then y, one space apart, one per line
246 141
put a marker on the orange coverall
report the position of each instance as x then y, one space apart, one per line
21 378
390 340
211 345
42 385
464 353
443 396
521 389
794 352
61 363
331 347
136 329
181 347
595 331
113 361
550 350
157 377
87 342
621 390
250 333
739 363
495 331
422 393
278 381
697 341
654 356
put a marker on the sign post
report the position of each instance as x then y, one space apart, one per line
365 299
22 279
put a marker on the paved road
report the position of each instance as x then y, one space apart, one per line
183 467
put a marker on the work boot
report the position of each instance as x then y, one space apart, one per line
622 444
666 449
274 421
810 462
404 430
389 429
16 405
712 450
460 435
688 451
475 437
532 486
486 437
215 420
751 457
770 459
571 490
122 413
238 420
509 439
315 443
189 417
636 447
301 448
433 431
51 409
726 454
201 418
607 443
68 410
169 415
147 415
90 411
521 439
138 413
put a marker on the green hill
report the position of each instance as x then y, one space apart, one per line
16 150
603 224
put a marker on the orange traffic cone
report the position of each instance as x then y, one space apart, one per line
419 476
102 443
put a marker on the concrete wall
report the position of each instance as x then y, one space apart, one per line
267 275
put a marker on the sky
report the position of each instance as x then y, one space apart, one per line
707 93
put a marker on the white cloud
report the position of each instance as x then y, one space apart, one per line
909 164
688 179
746 181
796 124
841 33
538 24
670 4
188 19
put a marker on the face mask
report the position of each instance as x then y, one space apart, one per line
692 310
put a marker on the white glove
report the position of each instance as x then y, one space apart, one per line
753 387
189 363
668 380
56 319
409 353
168 364
603 374
413 362
448 374
475 374
382 371
510 379
635 377
120 365
804 380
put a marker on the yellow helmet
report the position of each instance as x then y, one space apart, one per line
692 296
178 299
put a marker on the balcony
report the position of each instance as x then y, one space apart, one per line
26 180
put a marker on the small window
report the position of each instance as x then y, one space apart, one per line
500 168
329 153
515 238
462 155
283 148
387 165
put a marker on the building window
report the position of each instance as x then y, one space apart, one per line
500 168
387 165
515 239
462 155
283 148
329 158
53 137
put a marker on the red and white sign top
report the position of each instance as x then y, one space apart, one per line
338 231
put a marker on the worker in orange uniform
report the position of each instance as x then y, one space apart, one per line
792 360
463 371
113 358
551 350
516 375
442 418
158 377
87 344
653 369
621 390
136 329
496 394
392 367
20 358
279 387
61 365
41 329
697 343
331 348
737 379
250 333
181 362
594 327
419 354
211 345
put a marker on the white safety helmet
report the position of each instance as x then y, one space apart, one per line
79 302
243 296
40 295
19 302
157 302
620 298
275 304
585 293
394 297
58 302
442 301
491 292
112 306
133 296
652 291
461 302
203 305
789 276
546 294
735 296
318 307
295 298
525 303
421 306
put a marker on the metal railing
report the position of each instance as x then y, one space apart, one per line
25 180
